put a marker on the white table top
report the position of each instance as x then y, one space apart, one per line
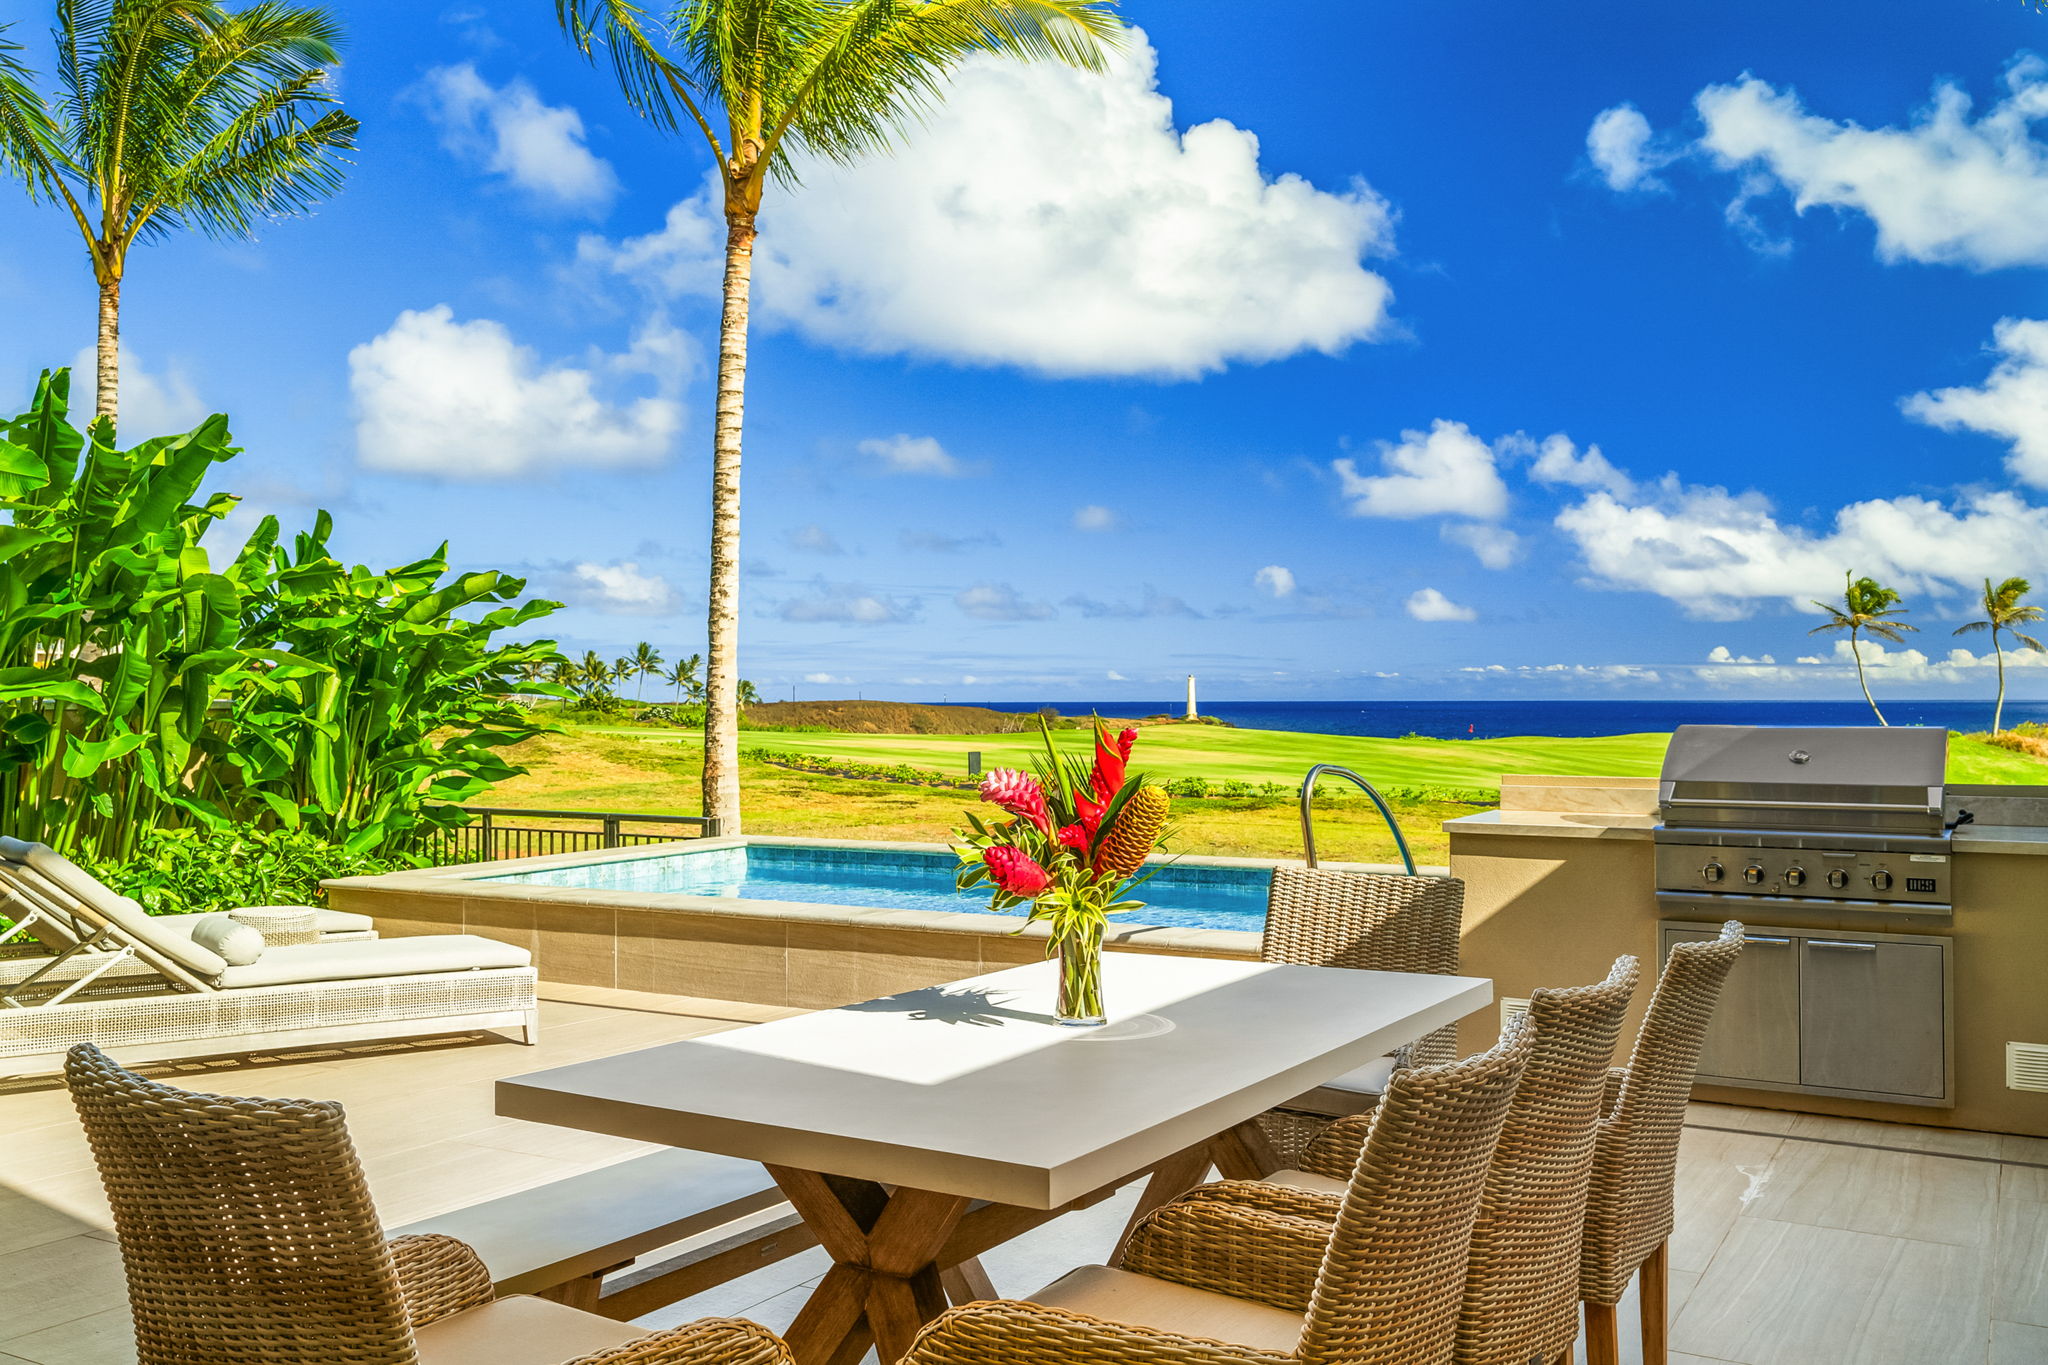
972 1088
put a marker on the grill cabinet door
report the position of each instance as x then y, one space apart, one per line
1872 1015
1755 1033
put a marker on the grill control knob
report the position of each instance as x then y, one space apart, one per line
1881 880
1795 876
1752 874
1837 878
1711 872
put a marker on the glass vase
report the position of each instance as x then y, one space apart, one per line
1080 996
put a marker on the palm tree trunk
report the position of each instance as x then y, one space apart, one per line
721 673
1998 711
1863 682
109 356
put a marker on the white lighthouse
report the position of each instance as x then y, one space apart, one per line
1191 696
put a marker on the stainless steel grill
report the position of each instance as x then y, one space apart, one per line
1848 817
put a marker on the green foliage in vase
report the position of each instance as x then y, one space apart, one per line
141 687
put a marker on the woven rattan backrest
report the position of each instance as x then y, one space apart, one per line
1391 1280
1522 1282
1370 921
245 1226
1635 1158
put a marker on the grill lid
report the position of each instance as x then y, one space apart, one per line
1872 779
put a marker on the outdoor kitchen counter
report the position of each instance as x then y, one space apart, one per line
1552 896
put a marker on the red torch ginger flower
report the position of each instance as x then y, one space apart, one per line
1074 836
1111 756
1018 793
1012 870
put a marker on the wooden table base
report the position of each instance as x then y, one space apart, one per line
901 1255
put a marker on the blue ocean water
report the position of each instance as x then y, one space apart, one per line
1462 719
898 879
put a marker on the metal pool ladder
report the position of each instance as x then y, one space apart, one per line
1308 796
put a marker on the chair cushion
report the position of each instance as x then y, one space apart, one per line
238 944
519 1331
357 958
1305 1180
124 914
1354 1092
1164 1306
326 921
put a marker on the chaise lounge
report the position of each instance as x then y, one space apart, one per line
157 987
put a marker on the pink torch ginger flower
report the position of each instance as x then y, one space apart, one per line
1074 836
1013 870
1018 793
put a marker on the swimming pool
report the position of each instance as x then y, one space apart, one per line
1183 896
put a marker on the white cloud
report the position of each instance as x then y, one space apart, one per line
1496 547
510 132
623 589
1056 220
464 400
1597 673
1153 603
1622 149
2012 404
825 678
1941 189
1558 461
999 602
1431 605
1721 654
162 404
815 539
847 603
1115 676
1718 554
1095 518
1446 471
1275 580
905 454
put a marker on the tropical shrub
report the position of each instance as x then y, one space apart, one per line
1187 786
141 688
185 871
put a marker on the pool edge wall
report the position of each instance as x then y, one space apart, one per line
760 952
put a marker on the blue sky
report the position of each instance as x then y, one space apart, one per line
1393 350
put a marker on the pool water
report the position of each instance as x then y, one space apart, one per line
898 879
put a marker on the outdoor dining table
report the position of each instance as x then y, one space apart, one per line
917 1131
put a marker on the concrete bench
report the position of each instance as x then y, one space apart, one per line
721 1217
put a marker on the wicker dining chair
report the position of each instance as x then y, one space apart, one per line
248 1234
1218 1284
1521 1297
1629 1215
1371 921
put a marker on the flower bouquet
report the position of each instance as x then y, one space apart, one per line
1072 850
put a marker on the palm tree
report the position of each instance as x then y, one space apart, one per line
597 674
175 113
830 79
646 660
746 694
1868 607
684 676
2003 611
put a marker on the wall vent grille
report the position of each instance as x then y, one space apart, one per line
1512 1009
2026 1066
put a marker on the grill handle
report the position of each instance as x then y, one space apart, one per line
1742 804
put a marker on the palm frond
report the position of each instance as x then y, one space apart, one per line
2030 642
1972 627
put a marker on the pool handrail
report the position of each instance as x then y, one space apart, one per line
1308 796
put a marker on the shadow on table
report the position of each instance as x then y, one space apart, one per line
975 1005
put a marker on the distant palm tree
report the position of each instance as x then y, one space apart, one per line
2004 612
646 660
746 694
175 113
833 79
684 676
1867 607
597 674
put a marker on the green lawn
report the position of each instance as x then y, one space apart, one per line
1220 754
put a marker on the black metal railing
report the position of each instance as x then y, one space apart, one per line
490 836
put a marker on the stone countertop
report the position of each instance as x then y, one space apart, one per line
2022 839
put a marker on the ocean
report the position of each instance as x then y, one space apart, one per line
1500 719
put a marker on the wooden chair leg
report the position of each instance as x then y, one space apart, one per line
967 1283
1653 1287
1603 1335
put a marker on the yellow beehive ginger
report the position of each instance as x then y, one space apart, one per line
1136 831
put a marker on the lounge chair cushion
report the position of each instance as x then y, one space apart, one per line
326 921
362 958
238 944
519 1331
1354 1092
123 913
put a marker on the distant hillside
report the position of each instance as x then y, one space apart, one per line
892 717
